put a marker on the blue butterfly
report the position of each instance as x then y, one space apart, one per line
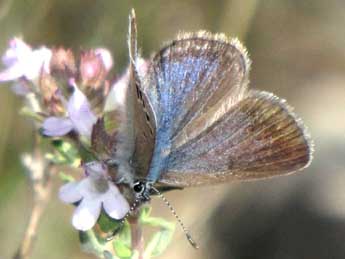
192 120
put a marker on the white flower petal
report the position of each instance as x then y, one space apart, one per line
38 59
106 57
86 188
93 187
69 192
95 169
21 60
80 113
55 126
86 214
114 204
11 73
17 49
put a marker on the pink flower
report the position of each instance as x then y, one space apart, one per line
94 192
106 57
22 61
80 118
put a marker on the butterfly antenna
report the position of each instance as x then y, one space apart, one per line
185 230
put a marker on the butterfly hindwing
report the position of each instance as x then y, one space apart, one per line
258 137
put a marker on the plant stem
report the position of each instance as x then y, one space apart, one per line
137 236
42 185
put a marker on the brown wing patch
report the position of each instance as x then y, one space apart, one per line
259 137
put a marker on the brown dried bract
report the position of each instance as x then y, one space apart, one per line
63 62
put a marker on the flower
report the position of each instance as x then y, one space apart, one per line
94 192
63 62
80 117
94 67
22 61
106 57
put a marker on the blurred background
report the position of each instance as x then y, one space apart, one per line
298 53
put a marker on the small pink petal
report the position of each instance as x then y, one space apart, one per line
56 127
69 193
114 204
80 113
86 214
106 57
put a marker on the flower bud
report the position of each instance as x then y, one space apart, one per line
63 62
93 70
50 96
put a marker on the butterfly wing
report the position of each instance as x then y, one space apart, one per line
143 117
137 133
210 127
195 74
258 137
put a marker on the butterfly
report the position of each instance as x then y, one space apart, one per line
192 120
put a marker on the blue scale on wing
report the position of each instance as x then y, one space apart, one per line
186 80
174 86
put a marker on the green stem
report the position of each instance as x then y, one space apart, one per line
137 237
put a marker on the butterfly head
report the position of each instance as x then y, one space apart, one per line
142 189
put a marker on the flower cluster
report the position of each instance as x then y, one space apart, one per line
93 192
69 94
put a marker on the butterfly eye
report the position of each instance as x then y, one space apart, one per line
139 187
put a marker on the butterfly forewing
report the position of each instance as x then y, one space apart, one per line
189 77
257 138
143 119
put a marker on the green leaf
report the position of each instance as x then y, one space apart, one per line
108 224
145 212
57 159
67 153
158 243
157 222
122 250
85 154
66 178
25 111
122 243
108 255
111 122
162 238
90 243
125 234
